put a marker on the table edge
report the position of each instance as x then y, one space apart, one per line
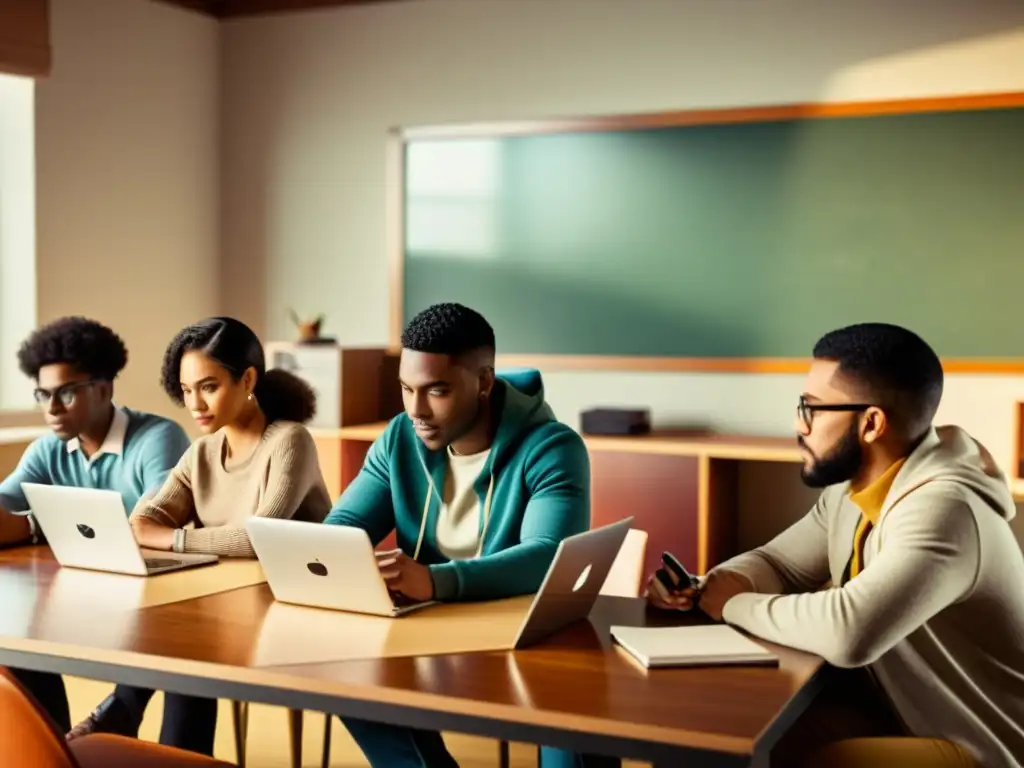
419 709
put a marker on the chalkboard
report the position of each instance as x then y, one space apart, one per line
747 239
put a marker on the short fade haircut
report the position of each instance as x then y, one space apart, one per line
84 344
892 366
448 329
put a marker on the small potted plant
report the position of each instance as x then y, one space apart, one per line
309 330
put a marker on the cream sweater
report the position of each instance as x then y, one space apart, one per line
937 614
281 478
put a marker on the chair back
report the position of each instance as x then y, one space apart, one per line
28 738
626 576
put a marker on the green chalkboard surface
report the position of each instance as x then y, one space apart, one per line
726 241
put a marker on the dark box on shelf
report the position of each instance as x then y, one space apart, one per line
615 421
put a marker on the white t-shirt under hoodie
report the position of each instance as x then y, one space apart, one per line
458 521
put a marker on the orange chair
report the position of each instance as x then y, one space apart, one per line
29 739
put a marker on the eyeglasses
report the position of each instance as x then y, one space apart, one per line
65 394
805 410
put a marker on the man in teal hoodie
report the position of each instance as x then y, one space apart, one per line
480 483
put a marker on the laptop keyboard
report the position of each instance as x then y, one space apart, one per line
158 562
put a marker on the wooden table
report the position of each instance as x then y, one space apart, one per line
574 690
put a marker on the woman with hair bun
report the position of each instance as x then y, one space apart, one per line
255 458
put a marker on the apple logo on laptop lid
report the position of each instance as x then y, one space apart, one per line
582 579
86 531
317 568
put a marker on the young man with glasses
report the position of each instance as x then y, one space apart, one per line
95 444
906 566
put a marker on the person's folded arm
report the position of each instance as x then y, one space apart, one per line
794 561
558 478
294 467
928 559
366 502
16 526
156 516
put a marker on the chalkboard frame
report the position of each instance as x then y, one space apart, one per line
395 185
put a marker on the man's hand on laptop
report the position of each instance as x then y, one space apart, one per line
403 574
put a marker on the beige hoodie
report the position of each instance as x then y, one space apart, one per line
937 614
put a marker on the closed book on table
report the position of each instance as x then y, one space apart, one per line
710 645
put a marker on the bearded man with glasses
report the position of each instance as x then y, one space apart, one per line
95 444
906 568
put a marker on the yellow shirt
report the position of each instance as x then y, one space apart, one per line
870 500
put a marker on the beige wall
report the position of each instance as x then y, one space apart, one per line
128 184
308 98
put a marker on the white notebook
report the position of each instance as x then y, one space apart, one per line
714 644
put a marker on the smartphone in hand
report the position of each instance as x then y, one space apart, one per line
683 578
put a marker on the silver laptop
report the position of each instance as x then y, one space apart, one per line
573 581
89 528
324 566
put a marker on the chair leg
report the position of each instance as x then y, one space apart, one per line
295 732
503 756
240 720
325 760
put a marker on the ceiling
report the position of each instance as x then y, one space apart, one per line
224 9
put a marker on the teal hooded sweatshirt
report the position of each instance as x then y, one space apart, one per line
534 491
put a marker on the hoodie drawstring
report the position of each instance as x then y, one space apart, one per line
423 519
426 508
487 515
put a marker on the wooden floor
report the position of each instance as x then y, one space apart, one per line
268 735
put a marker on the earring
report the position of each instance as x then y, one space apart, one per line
249 397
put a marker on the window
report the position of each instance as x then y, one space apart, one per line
17 233
452 198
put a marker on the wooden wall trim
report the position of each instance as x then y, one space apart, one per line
25 37
790 365
224 9
763 114
236 8
657 364
396 217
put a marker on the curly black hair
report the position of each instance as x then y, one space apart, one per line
85 344
281 395
893 366
448 329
